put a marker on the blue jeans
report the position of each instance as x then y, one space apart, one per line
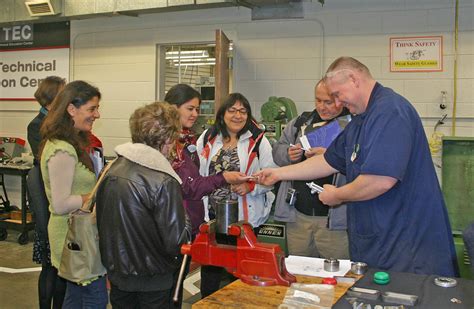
93 295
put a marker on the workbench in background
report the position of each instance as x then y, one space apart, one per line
22 224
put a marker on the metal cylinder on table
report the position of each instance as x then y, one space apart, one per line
227 212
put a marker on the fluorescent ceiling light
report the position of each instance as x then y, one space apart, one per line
187 52
195 60
193 63
190 58
187 57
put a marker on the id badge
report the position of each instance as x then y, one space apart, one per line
355 152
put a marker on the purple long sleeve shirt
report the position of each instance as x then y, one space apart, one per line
195 187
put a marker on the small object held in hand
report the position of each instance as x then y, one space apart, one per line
331 265
299 147
314 187
359 268
330 281
251 178
381 277
445 282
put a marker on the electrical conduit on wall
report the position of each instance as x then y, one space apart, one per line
455 77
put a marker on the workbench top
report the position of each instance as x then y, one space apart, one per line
242 295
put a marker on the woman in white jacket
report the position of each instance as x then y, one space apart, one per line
235 143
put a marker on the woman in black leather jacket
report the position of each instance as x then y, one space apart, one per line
140 213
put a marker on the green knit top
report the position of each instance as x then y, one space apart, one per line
83 183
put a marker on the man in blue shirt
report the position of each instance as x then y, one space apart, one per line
397 219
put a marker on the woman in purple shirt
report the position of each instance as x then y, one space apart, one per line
186 164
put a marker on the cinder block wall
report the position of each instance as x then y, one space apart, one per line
271 58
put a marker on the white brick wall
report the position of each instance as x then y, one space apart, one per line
271 58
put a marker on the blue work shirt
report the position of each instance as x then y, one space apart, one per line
405 229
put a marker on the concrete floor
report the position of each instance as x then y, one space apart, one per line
19 276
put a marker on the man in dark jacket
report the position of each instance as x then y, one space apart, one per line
140 214
313 229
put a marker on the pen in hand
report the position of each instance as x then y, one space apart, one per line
305 149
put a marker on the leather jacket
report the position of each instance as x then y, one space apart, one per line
140 215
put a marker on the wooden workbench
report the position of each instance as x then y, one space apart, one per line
241 295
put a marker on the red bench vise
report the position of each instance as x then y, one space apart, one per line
253 262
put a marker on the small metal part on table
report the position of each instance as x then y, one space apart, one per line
331 265
361 305
359 268
363 293
455 300
357 305
341 279
445 282
399 298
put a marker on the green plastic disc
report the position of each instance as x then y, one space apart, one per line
381 277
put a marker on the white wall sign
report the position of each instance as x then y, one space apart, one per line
28 54
416 54
22 71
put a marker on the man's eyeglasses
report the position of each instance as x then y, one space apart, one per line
234 111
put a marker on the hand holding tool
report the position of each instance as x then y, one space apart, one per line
314 187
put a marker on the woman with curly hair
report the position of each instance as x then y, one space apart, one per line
140 213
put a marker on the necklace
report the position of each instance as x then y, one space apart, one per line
229 146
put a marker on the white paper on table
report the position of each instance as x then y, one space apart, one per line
308 266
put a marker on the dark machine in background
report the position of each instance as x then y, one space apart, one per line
276 113
458 190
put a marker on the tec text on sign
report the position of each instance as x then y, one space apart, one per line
18 33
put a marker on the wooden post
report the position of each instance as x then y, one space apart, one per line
221 69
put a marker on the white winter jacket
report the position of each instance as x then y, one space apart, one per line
255 206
